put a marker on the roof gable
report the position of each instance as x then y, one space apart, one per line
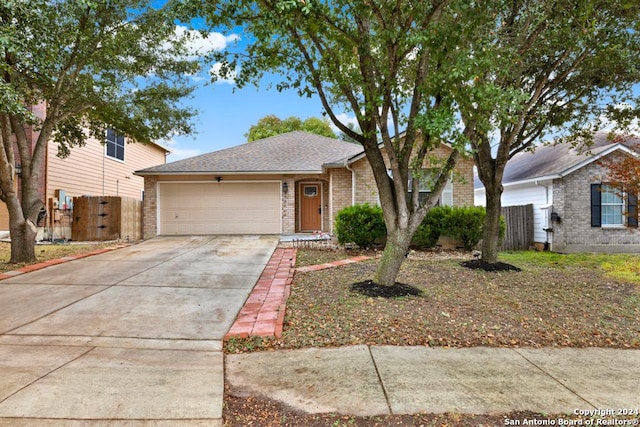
554 161
292 152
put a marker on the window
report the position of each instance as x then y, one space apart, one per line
427 180
115 145
612 205
608 207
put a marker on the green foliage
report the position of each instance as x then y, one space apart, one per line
465 224
122 64
461 223
272 125
431 228
360 224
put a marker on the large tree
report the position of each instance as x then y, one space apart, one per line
545 69
272 125
389 63
93 65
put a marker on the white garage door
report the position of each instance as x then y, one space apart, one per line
219 208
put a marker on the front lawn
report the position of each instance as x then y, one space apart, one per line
556 300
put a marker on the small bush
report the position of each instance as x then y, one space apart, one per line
429 231
461 223
360 224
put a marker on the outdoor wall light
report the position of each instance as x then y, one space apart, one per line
285 187
555 217
18 169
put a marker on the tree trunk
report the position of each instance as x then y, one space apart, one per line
491 230
23 238
395 250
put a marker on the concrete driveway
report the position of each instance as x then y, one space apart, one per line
130 337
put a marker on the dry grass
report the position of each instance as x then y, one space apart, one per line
556 300
45 252
550 303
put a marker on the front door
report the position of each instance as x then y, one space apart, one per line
310 207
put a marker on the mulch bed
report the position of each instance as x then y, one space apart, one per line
371 289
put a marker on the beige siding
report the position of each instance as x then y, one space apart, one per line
88 172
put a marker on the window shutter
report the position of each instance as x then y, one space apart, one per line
596 206
632 210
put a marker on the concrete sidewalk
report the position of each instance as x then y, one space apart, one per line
380 380
125 338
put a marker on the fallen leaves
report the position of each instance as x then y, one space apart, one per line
543 305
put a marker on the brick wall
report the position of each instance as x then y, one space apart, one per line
572 201
150 208
367 191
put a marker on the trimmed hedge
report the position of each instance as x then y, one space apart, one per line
364 225
360 224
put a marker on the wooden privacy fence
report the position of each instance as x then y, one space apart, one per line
106 218
519 235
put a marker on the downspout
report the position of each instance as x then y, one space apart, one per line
548 230
353 183
330 201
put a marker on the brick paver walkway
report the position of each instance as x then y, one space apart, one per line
263 312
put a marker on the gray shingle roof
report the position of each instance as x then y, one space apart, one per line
290 152
553 160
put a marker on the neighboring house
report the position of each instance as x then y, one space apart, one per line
95 169
575 210
289 183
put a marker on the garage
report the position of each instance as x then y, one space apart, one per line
189 208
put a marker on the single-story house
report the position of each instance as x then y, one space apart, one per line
575 210
285 184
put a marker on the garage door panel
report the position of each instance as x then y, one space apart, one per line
219 208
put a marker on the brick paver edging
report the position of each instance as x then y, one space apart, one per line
45 264
263 313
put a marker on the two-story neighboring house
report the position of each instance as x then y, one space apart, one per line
95 169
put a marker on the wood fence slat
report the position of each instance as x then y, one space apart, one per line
519 233
106 218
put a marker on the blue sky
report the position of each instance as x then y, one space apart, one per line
225 115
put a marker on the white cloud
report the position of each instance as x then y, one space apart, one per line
201 44
607 124
215 72
345 119
177 152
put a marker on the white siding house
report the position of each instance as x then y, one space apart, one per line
559 180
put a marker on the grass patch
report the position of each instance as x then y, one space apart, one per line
556 300
624 267
47 252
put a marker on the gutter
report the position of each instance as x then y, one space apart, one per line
171 173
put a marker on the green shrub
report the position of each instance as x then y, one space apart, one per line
360 224
465 224
429 231
461 223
